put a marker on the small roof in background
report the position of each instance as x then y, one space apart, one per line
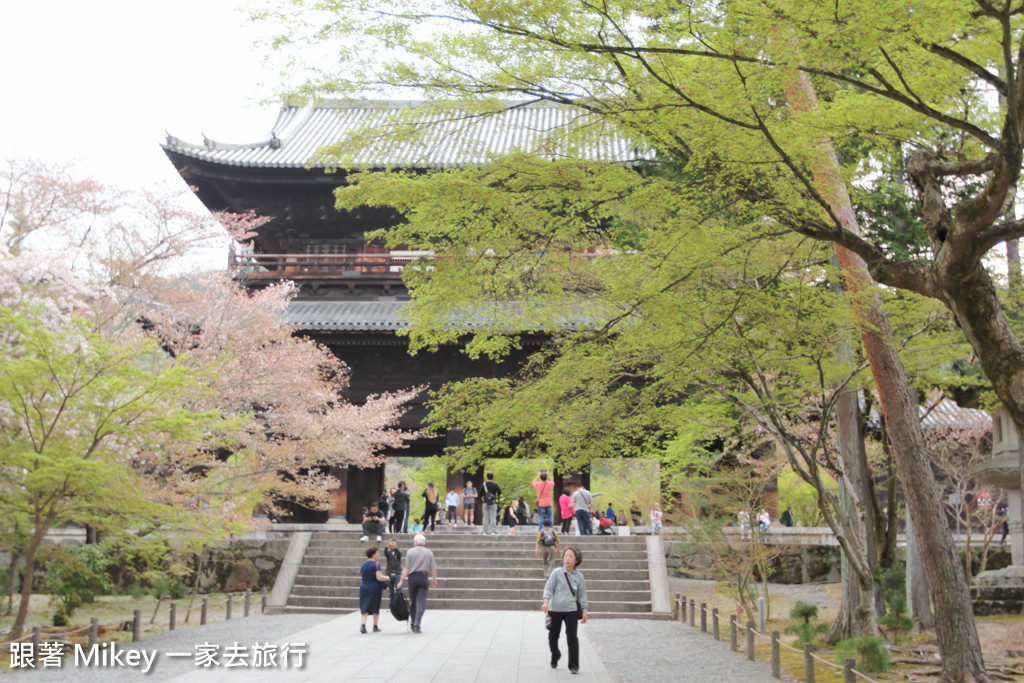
444 139
948 414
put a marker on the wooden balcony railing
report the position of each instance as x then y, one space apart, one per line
300 266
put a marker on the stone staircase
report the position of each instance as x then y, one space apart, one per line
478 572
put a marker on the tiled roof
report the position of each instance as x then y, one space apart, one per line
346 316
948 414
445 140
388 316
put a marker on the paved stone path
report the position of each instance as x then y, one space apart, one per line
456 646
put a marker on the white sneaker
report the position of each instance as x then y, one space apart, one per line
364 539
378 539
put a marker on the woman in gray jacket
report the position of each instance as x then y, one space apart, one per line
565 590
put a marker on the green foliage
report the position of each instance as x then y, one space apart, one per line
893 582
802 610
805 631
871 649
801 497
75 575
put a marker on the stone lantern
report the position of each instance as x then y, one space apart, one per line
1002 590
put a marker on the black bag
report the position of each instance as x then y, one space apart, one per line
489 497
579 607
399 606
547 537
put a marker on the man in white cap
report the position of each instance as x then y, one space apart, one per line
419 564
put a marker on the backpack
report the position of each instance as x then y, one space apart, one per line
489 497
399 606
547 537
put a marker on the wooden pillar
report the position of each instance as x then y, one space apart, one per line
339 496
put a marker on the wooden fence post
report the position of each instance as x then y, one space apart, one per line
174 615
202 612
714 622
94 631
849 665
776 656
808 663
750 640
248 600
35 638
137 626
263 602
703 617
732 632
693 609
227 613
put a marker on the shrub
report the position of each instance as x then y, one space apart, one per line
805 631
871 650
74 576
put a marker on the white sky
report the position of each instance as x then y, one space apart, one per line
100 82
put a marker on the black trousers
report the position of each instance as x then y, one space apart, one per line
419 584
398 521
566 523
571 627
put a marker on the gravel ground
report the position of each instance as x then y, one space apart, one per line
244 631
635 650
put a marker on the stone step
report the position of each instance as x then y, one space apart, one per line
532 571
444 590
484 565
485 542
522 534
470 553
291 609
476 583
436 600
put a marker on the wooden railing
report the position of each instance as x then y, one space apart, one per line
320 265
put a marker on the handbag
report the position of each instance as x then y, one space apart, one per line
579 607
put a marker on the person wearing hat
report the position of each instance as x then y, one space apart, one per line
373 522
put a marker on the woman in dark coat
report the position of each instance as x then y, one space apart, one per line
369 589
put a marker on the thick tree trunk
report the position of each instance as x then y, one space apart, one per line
12 583
918 606
954 629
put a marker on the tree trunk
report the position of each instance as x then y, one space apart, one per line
955 631
918 606
12 583
26 580
857 614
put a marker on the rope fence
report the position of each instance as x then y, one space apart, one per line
35 635
683 610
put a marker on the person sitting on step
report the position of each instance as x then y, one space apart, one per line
373 522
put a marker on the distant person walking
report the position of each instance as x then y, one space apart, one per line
491 494
419 565
451 503
401 506
656 516
581 502
565 601
547 546
544 489
469 503
370 590
565 509
431 496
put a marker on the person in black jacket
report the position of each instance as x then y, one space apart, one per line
491 494
401 505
